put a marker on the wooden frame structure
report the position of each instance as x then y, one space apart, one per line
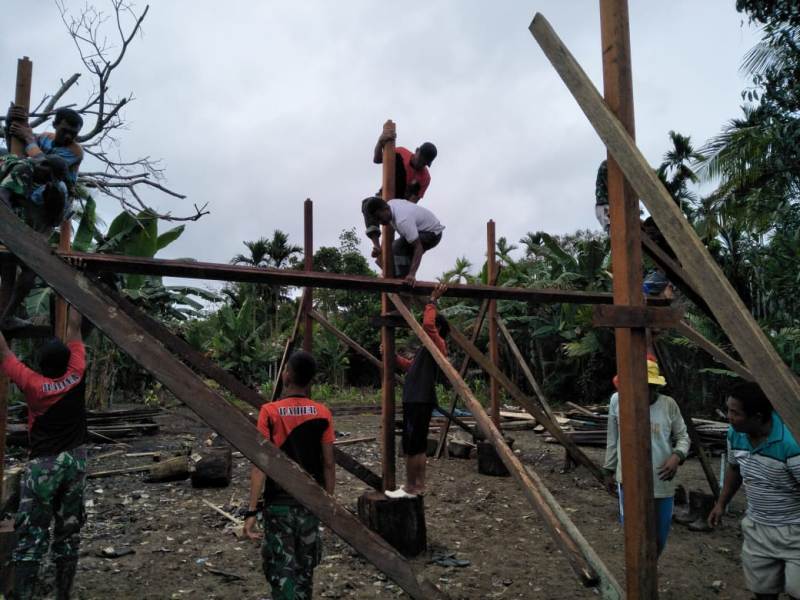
178 367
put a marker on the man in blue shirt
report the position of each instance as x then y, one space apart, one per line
765 457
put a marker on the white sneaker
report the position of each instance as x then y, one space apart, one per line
399 493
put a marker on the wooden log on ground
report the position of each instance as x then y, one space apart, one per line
489 461
585 563
459 448
173 469
213 469
122 471
401 522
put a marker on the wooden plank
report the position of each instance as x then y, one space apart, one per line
769 370
60 317
308 263
675 273
718 353
388 454
277 386
641 572
512 345
554 519
527 403
182 268
462 371
494 353
201 364
143 348
642 317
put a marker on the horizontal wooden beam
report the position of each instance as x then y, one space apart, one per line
111 263
641 317
209 405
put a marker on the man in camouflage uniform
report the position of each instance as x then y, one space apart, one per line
303 429
601 197
35 188
54 482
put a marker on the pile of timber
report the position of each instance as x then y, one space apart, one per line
586 426
104 426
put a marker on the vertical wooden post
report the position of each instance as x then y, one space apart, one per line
491 271
388 457
308 263
22 97
626 253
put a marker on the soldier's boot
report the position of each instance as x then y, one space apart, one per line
65 575
26 575
704 505
689 515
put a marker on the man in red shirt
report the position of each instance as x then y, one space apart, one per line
303 429
419 398
412 179
55 478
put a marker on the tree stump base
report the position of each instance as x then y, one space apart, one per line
174 469
401 521
213 469
489 462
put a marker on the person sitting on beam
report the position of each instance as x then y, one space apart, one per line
412 178
62 142
418 229
419 398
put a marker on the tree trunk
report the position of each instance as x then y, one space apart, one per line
213 469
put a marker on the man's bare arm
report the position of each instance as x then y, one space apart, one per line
377 156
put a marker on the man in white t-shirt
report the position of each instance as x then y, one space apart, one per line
417 228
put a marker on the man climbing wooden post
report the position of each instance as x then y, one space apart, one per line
626 255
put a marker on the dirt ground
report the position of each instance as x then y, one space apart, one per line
180 545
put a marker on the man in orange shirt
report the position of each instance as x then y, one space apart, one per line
303 429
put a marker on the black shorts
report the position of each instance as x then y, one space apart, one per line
416 420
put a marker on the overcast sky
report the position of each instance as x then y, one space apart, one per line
255 106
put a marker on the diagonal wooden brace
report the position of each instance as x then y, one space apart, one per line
143 348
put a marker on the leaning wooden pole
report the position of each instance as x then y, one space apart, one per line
462 371
526 402
494 353
761 358
277 387
588 567
703 455
537 389
308 264
641 572
388 454
210 406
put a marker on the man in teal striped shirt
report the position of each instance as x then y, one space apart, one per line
764 455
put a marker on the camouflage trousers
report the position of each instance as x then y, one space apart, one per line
291 549
52 490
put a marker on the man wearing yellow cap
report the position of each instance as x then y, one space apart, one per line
670 442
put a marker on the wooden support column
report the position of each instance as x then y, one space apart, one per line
60 317
22 98
626 254
308 263
388 454
494 355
